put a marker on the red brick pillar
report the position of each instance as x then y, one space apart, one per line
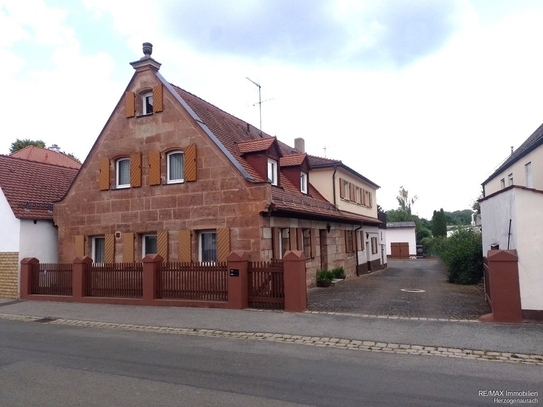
151 268
238 282
79 276
26 276
504 286
295 281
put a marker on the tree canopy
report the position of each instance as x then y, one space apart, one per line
20 144
439 224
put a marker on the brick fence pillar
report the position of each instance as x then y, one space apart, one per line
504 286
238 282
295 281
79 276
26 276
151 268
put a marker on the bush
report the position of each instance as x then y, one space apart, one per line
324 275
338 272
463 255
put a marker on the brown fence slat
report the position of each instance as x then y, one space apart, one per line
266 285
51 279
117 280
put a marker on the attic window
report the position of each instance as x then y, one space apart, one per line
175 167
303 182
147 103
123 173
272 171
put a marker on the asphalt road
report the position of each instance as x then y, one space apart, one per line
48 365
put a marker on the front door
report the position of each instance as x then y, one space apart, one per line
323 235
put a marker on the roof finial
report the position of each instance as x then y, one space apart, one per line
147 49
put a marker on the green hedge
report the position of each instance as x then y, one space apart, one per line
462 253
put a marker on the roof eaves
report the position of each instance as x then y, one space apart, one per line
346 167
204 127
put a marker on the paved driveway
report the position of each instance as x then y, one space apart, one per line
387 292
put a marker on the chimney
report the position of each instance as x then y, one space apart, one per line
55 148
299 144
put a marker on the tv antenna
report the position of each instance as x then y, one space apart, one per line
260 101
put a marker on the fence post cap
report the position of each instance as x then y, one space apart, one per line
152 258
291 255
82 260
29 260
238 255
502 255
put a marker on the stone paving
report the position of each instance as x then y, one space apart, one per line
407 289
316 341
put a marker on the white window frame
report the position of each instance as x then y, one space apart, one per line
272 171
174 180
201 234
303 182
143 245
94 259
510 177
144 97
529 175
118 173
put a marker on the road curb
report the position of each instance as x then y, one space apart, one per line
316 341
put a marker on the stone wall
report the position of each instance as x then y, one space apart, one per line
9 270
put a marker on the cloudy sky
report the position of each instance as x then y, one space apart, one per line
425 94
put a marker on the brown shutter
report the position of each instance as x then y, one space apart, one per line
103 178
128 247
135 170
185 246
154 168
292 239
109 249
79 246
223 244
341 188
275 243
130 104
158 105
369 197
313 242
352 192
190 163
162 244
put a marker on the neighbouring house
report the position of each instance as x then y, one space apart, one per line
51 155
351 192
512 217
401 240
175 175
28 190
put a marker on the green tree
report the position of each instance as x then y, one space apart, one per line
405 202
439 224
20 144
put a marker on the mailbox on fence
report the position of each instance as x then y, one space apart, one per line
234 273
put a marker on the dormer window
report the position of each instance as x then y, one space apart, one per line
147 103
272 171
123 173
303 182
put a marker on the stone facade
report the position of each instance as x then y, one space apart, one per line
9 271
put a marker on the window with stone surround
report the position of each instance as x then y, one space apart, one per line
122 173
147 103
306 237
148 244
207 246
98 249
175 167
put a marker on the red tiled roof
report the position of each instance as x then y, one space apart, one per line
43 155
252 146
316 161
292 160
31 187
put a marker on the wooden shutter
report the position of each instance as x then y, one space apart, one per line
369 199
162 244
158 104
79 246
135 170
154 168
223 244
276 236
103 177
128 247
352 192
185 246
190 163
109 256
130 104
341 188
313 237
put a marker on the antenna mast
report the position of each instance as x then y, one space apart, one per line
259 101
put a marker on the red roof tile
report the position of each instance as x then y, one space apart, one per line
252 146
43 155
31 187
292 160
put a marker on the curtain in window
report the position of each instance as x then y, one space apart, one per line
99 249
124 172
176 166
209 246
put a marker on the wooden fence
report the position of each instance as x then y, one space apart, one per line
266 285
51 278
116 280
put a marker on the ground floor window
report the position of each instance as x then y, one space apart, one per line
306 233
207 246
98 249
373 245
148 245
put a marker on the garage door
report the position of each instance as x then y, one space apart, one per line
399 250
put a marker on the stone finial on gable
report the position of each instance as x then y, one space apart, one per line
146 61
